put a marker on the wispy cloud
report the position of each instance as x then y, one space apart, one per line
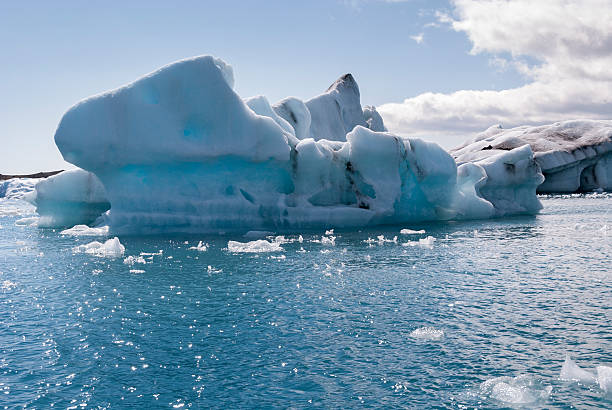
418 38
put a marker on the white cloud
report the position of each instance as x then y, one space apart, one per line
418 38
570 39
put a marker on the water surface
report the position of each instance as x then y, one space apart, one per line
502 303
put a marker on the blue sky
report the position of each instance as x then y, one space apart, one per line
56 53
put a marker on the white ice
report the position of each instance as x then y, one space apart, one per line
573 155
258 246
201 247
179 151
427 333
407 231
571 371
520 390
427 242
84 230
112 248
70 198
17 188
604 378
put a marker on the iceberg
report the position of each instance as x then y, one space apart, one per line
574 156
178 150
17 188
70 198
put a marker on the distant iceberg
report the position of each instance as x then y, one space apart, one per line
575 156
179 151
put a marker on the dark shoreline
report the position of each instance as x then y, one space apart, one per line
36 175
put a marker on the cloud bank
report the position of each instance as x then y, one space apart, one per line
571 42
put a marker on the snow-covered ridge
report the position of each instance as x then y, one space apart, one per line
573 155
179 151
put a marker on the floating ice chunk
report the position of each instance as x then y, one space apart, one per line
522 389
411 232
112 248
184 153
326 240
213 270
281 257
424 242
382 240
202 247
257 246
571 371
131 260
427 333
17 188
574 155
604 378
257 234
137 271
69 198
30 221
84 230
329 232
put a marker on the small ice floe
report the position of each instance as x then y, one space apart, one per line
424 242
158 253
112 248
136 271
280 239
84 230
280 257
257 234
258 246
380 240
329 232
201 247
213 270
602 375
427 333
411 232
30 221
523 389
326 240
131 260
604 378
571 371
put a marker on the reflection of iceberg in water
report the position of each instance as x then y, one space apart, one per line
179 151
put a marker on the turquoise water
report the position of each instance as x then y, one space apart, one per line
337 326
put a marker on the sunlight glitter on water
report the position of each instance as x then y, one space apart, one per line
482 319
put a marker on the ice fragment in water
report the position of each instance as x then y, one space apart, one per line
112 248
258 246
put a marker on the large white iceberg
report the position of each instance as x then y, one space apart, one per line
573 155
179 151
